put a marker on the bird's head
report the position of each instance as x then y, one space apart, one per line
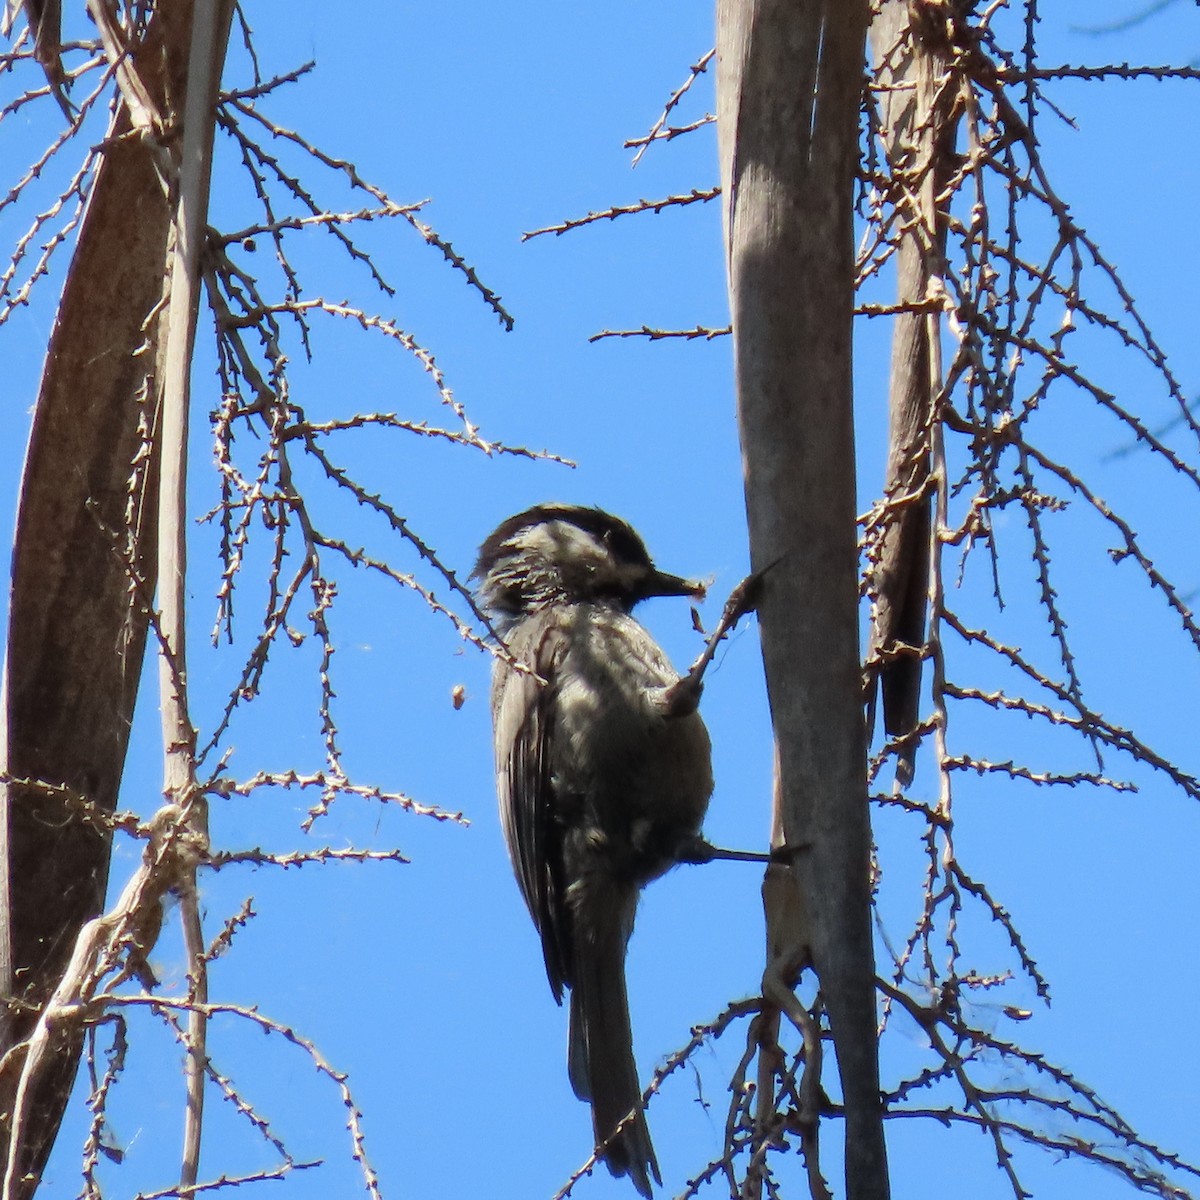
560 553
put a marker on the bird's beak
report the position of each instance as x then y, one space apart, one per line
662 584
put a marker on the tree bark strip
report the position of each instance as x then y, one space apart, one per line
76 631
789 89
918 137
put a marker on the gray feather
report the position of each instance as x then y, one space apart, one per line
599 782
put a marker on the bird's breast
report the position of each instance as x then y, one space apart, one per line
641 778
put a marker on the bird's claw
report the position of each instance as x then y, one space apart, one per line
744 598
695 850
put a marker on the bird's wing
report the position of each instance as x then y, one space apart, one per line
524 712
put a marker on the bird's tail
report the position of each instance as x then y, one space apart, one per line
600 1055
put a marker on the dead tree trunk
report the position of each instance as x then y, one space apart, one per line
789 88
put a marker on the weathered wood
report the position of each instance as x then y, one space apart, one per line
76 630
789 86
918 135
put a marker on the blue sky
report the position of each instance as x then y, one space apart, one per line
424 981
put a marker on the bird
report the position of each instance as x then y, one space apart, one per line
603 773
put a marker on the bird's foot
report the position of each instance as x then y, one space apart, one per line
696 850
742 600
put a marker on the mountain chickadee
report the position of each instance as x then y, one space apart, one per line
603 776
